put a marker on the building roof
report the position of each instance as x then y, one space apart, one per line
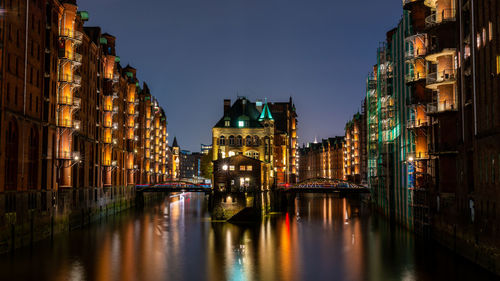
241 110
266 113
174 144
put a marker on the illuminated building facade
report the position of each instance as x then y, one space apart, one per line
323 160
285 141
355 149
72 135
432 138
250 129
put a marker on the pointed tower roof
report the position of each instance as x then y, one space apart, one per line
174 144
266 113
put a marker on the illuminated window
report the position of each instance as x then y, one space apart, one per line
490 30
242 168
241 124
231 153
484 36
227 123
249 168
498 64
231 168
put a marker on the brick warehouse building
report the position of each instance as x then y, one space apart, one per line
252 130
77 130
433 131
323 160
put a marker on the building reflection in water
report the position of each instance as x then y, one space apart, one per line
322 237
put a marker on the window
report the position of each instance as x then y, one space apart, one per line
248 141
256 141
231 168
222 140
498 64
490 30
241 124
239 140
227 123
484 36
242 168
231 153
492 168
231 140
249 168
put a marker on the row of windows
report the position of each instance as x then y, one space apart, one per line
252 154
247 168
238 141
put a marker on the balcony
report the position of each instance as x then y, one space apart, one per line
415 53
116 78
65 155
66 123
441 107
419 123
74 80
70 56
414 77
77 102
65 100
107 124
441 17
438 50
435 79
71 34
418 156
107 108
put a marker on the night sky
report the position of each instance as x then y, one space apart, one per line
195 53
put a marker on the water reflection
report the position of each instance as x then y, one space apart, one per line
322 238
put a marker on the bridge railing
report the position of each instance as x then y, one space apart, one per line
322 184
174 184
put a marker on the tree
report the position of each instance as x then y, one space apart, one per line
207 165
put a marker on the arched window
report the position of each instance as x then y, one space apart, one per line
222 140
256 141
248 141
231 140
239 141
267 148
33 158
11 155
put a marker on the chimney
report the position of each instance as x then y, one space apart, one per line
227 105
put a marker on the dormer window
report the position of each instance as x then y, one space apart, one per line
227 123
241 124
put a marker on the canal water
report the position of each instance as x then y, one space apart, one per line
323 238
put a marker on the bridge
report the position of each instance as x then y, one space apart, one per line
175 186
315 185
323 185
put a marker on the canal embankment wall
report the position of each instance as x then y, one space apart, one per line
464 241
33 216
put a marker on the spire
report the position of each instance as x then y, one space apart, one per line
174 144
266 113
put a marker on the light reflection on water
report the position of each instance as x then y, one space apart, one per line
323 238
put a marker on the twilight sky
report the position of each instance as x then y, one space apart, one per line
195 53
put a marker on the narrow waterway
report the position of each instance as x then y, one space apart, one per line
324 238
